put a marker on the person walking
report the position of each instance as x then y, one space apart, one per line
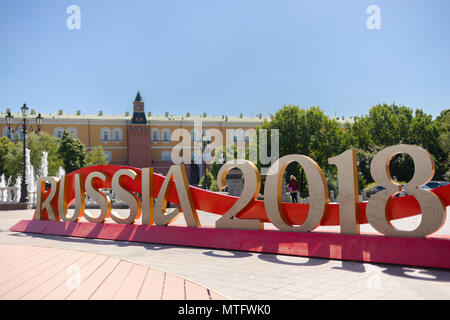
293 187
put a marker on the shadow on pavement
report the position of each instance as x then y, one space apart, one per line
351 266
149 246
438 275
276 259
415 273
230 254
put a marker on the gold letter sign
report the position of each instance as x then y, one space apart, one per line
184 195
433 211
132 200
318 190
53 204
252 184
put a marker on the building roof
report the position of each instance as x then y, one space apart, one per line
138 97
150 118
100 116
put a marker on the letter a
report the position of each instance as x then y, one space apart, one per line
374 21
74 20
184 195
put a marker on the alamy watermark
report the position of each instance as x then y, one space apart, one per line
208 146
73 22
74 281
373 282
374 20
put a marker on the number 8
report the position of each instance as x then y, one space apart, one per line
433 211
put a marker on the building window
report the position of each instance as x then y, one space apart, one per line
58 132
249 134
74 132
155 134
196 135
206 135
19 132
7 133
238 135
105 134
117 134
108 155
11 134
166 134
165 156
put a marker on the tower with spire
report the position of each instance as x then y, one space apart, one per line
138 110
139 153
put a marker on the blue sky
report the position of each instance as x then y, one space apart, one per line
224 56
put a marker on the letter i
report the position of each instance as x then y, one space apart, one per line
147 196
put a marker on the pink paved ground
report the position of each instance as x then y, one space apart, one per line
40 273
426 252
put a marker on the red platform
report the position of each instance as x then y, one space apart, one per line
426 252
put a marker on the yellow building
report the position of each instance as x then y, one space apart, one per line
139 139
142 139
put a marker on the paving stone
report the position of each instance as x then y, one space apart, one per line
242 275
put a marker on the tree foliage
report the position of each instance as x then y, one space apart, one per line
66 152
388 125
38 143
72 152
211 182
96 157
312 133
444 139
10 158
309 132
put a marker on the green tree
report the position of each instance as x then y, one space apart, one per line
37 143
357 134
211 182
444 140
309 132
14 161
10 162
72 152
388 125
96 157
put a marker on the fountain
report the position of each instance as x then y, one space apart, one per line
10 196
29 175
61 172
43 172
3 191
17 189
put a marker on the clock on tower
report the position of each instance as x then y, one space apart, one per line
139 153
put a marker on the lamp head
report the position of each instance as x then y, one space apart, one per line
9 119
24 110
39 120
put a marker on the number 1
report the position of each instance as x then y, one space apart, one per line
348 191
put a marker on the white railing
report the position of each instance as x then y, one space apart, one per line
12 195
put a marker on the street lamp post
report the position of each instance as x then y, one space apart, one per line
24 185
39 121
205 142
9 119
